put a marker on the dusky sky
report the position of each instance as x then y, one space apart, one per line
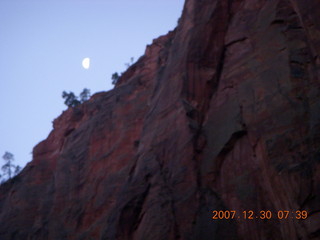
42 45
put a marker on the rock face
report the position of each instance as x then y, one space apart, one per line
223 113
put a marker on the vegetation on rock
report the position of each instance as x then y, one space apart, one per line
9 170
71 100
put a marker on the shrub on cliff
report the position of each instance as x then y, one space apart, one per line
71 100
129 63
84 95
115 77
9 170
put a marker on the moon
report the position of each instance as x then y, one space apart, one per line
86 63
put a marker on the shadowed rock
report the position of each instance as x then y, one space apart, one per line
222 113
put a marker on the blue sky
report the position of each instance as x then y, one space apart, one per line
42 45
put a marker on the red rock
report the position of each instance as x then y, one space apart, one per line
223 113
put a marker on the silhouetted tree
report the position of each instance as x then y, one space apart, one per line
84 95
129 63
70 99
8 167
115 77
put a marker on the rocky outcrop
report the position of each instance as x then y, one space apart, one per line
221 114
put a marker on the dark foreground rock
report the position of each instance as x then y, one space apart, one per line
223 113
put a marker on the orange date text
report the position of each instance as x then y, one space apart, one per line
263 214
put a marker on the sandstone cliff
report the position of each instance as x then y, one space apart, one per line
223 113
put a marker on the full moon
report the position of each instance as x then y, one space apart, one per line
86 63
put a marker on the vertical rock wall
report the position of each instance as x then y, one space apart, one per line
223 113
